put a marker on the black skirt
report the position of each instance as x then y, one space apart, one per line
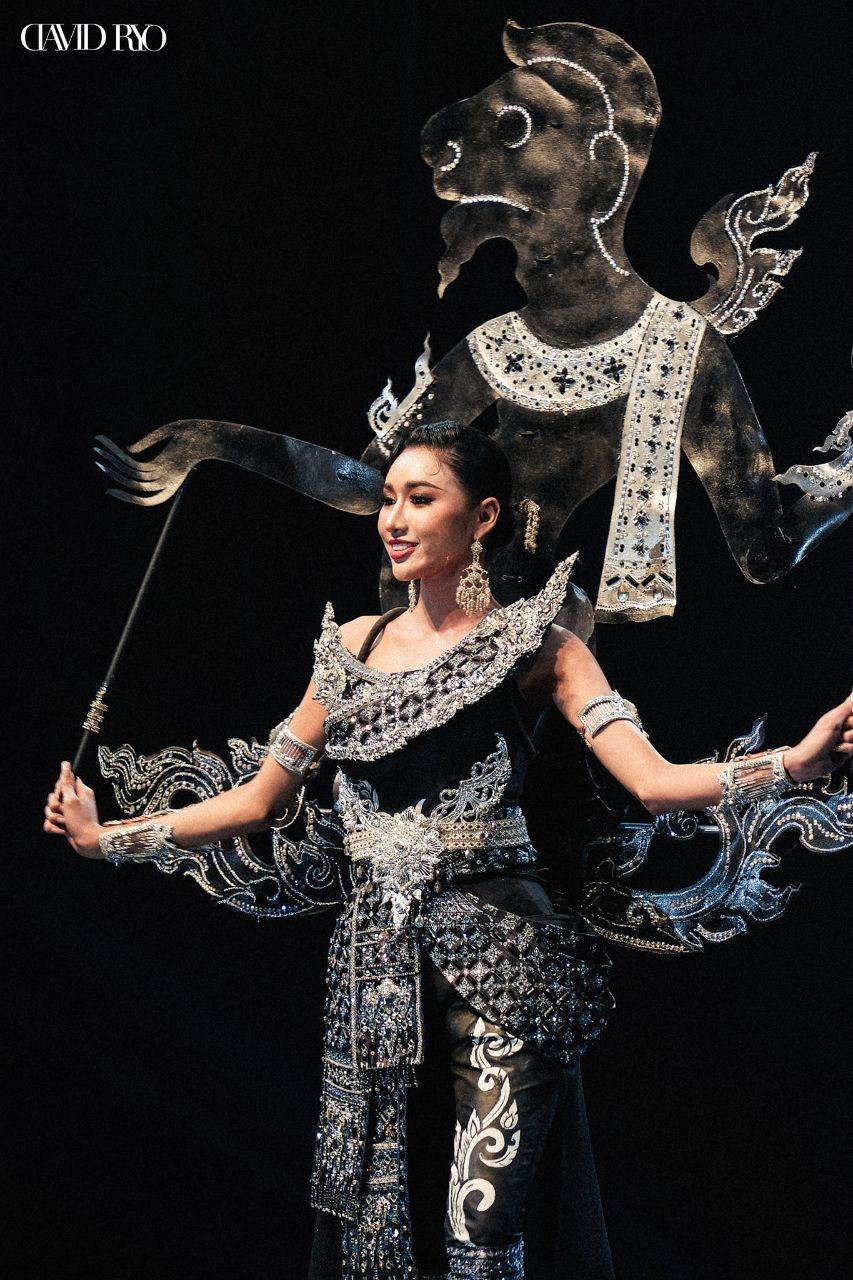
564 1232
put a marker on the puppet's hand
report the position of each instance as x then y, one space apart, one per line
71 811
185 443
826 746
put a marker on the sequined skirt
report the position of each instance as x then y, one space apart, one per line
540 979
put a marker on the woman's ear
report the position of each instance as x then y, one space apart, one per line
489 511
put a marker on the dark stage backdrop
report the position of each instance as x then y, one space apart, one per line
241 227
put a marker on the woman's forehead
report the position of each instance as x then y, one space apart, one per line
420 463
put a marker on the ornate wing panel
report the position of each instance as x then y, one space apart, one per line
733 892
298 877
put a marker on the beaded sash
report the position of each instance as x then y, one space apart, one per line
653 363
638 576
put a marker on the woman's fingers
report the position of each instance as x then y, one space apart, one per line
55 818
67 789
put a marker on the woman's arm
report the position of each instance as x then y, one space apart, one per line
71 810
567 670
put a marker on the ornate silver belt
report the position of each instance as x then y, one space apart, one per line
453 836
407 857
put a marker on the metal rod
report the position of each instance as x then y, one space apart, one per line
98 708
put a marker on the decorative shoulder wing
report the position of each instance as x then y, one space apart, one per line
387 416
296 877
529 619
329 674
724 239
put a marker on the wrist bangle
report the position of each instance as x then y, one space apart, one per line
754 779
147 841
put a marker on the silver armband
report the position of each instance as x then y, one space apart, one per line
291 752
603 710
751 779
147 841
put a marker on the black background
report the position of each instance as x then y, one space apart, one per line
241 227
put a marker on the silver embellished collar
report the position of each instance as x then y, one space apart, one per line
371 713
356 664
523 369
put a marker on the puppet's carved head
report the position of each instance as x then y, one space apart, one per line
550 155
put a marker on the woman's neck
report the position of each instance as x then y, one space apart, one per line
437 610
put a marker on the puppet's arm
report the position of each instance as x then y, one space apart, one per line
725 444
323 474
454 389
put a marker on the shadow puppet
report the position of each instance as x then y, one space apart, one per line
598 375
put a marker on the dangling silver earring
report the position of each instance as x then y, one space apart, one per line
530 510
414 592
473 589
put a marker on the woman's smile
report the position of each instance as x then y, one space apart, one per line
398 549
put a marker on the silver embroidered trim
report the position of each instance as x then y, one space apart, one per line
827 481
485 1262
498 1129
527 371
638 575
371 713
407 852
773 208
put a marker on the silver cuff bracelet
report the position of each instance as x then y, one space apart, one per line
291 752
603 710
148 841
751 779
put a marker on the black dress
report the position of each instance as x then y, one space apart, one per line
449 969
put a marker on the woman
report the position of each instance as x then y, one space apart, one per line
448 938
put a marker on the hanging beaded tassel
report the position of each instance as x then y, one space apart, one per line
413 593
472 592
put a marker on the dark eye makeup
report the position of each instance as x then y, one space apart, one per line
419 499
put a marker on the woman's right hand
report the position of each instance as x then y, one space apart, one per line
71 811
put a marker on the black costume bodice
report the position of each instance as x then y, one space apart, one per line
435 760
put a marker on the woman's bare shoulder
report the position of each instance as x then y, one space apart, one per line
353 632
560 644
560 649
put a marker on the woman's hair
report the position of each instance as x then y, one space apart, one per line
480 466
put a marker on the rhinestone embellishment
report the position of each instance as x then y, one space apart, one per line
527 371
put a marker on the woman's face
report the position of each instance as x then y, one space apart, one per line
427 521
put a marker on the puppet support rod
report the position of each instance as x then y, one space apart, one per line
98 708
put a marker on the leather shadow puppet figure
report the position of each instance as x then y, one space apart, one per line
598 375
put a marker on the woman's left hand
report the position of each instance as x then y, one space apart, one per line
827 746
